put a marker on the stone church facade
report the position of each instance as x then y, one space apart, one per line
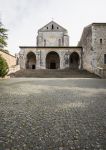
52 50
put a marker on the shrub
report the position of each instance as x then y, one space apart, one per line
3 67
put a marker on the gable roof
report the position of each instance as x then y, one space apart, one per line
52 26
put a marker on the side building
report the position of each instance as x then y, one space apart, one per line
93 41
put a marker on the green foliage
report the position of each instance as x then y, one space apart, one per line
3 36
3 67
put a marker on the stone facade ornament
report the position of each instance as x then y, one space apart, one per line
66 57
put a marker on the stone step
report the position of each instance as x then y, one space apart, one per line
53 73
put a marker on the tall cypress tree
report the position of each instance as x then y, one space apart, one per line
3 36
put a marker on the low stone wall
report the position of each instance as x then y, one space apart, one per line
100 72
14 69
11 60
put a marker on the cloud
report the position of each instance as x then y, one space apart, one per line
24 17
14 12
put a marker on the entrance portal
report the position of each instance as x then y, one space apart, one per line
31 61
74 60
52 60
52 65
33 66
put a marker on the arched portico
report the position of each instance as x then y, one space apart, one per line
52 60
31 61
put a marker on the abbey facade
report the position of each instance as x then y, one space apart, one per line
52 50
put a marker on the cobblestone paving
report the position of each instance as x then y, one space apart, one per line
53 114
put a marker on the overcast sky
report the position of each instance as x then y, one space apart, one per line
23 18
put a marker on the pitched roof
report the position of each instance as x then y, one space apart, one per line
52 26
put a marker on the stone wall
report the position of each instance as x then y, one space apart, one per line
86 43
52 35
93 41
99 43
11 60
52 39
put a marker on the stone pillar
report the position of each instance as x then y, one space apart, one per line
43 60
61 59
81 59
66 59
22 60
38 59
61 63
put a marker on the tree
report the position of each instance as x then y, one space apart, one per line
3 67
3 36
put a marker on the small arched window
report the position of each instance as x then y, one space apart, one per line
100 41
52 26
59 42
44 42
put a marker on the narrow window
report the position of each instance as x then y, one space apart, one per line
57 27
59 42
52 27
100 41
104 58
47 27
44 42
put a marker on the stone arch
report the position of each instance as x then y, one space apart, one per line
74 60
31 61
52 60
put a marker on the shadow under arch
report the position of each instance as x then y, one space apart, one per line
31 61
52 60
74 60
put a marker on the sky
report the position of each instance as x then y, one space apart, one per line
23 18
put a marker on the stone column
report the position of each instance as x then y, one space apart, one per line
66 59
43 59
22 60
38 59
81 60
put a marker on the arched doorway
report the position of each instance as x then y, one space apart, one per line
74 60
52 60
31 61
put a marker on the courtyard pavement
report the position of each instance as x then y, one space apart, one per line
52 114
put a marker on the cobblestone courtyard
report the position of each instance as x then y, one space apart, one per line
53 114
